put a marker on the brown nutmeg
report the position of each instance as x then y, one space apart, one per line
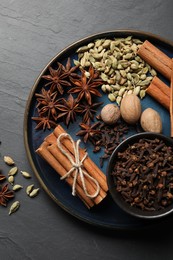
151 121
110 114
130 108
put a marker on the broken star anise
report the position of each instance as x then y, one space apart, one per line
2 177
47 103
68 109
87 87
57 79
89 131
44 122
88 111
5 195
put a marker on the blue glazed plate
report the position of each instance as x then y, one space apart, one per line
107 214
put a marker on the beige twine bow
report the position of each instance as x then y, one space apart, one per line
77 166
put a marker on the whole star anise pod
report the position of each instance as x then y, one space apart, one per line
5 195
70 70
44 122
47 103
89 132
87 87
57 79
68 109
88 111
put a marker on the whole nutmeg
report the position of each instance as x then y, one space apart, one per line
130 108
151 121
110 114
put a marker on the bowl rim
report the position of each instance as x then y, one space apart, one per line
116 196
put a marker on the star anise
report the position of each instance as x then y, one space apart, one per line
5 195
87 87
2 177
70 70
44 122
57 79
88 111
89 132
68 109
47 103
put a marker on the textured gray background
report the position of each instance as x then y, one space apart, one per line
31 33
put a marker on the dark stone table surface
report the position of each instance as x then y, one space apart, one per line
31 33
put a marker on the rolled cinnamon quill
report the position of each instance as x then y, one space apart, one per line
46 155
51 152
171 99
160 92
156 58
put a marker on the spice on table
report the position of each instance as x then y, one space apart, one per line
34 193
160 92
25 174
14 207
13 171
51 152
5 194
143 174
2 177
156 58
17 187
29 188
8 160
171 99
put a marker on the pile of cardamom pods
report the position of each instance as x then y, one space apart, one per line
123 71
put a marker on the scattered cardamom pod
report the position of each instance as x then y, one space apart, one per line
29 189
8 160
34 192
25 174
13 171
14 207
17 187
11 180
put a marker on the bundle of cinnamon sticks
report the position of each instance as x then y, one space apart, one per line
50 152
157 88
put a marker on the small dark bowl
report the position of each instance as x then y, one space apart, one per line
117 197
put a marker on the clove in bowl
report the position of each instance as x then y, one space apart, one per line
140 175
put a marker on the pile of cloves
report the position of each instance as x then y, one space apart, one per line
143 174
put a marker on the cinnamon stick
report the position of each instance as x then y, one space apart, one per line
89 165
156 58
47 156
160 92
171 99
91 187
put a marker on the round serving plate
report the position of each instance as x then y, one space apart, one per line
107 214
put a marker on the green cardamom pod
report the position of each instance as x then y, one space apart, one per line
14 207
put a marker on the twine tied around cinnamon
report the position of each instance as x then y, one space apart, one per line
77 166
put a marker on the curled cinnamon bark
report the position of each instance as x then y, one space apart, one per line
156 58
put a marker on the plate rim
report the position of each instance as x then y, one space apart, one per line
27 109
